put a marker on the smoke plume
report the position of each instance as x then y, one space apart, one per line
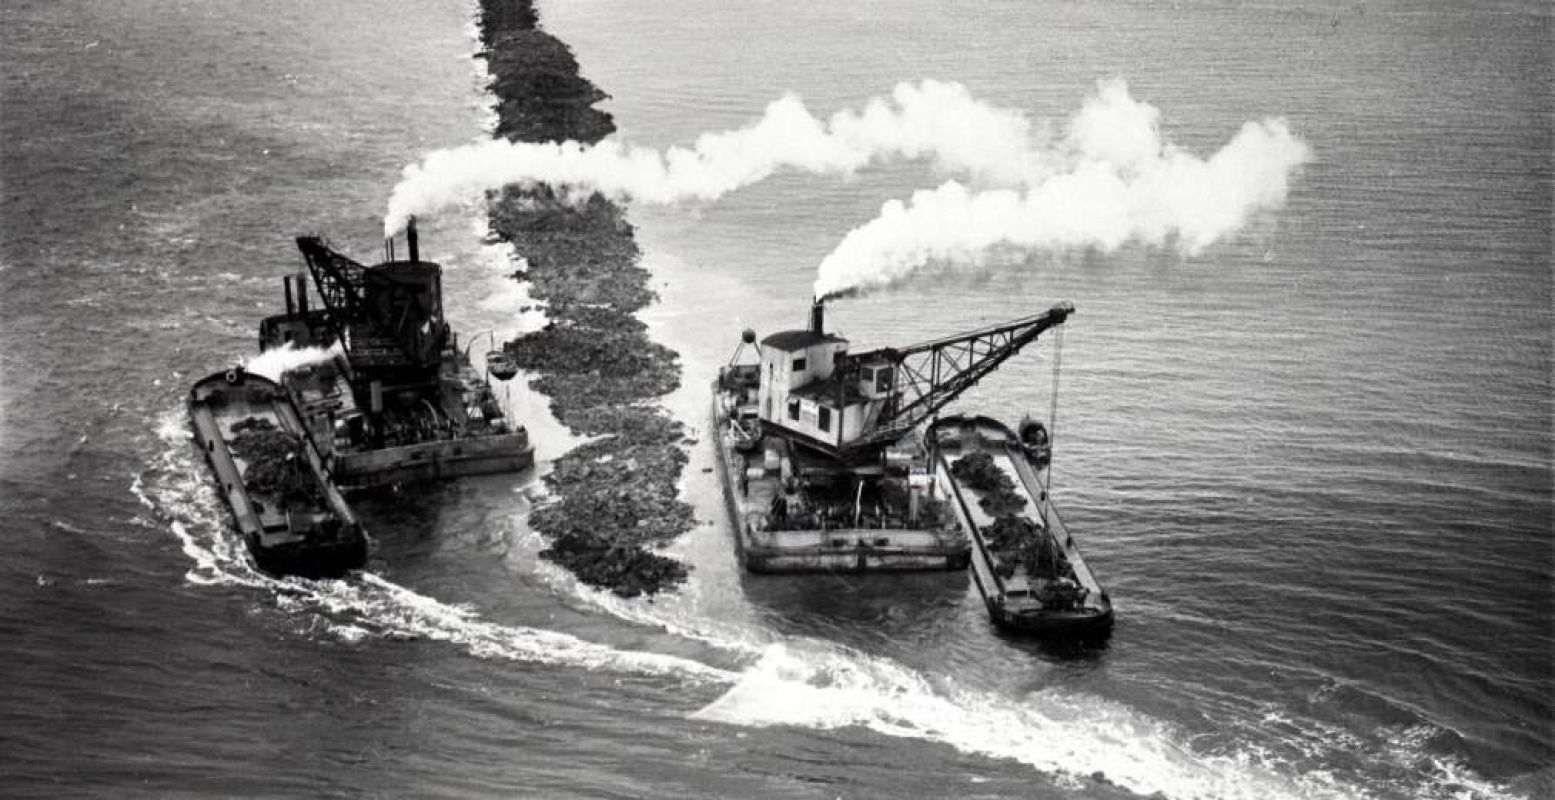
1109 179
1118 181
934 120
276 361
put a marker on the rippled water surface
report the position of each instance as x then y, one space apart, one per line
1312 464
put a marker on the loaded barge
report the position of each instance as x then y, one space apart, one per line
387 397
271 475
823 463
1025 562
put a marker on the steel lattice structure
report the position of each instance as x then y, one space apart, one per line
931 374
372 336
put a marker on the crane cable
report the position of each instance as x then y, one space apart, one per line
1052 417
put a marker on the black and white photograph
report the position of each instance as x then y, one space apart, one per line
1042 399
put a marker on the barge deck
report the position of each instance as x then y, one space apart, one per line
1025 562
292 518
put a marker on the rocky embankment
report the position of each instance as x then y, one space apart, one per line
615 498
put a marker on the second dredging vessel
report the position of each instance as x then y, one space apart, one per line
387 397
823 462
400 401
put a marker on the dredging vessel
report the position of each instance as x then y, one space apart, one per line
386 396
272 477
823 463
399 400
1025 563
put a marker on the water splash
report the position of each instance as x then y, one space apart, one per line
177 492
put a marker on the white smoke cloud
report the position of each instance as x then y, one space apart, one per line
930 119
276 361
1111 179
1119 182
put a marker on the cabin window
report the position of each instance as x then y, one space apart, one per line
793 408
883 379
824 419
799 365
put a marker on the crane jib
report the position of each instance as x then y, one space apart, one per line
931 374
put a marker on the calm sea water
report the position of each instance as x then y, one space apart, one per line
1312 465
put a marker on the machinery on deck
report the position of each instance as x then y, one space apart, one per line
824 463
400 401
850 404
827 466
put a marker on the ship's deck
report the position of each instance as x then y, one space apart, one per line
841 522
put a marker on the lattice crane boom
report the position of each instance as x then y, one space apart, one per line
388 316
339 281
929 375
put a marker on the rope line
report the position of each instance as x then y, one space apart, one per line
1052 417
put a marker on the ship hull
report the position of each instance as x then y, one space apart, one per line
849 550
311 560
433 461
1086 622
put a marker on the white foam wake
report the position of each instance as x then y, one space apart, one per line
177 493
1069 736
796 682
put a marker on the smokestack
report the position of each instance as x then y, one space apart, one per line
818 318
411 240
286 281
301 279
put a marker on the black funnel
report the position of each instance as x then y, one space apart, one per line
818 318
411 240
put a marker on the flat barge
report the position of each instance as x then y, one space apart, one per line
273 479
1025 563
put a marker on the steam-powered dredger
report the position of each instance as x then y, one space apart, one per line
401 402
396 401
826 465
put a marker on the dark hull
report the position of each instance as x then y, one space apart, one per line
1044 625
1070 624
312 559
433 461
